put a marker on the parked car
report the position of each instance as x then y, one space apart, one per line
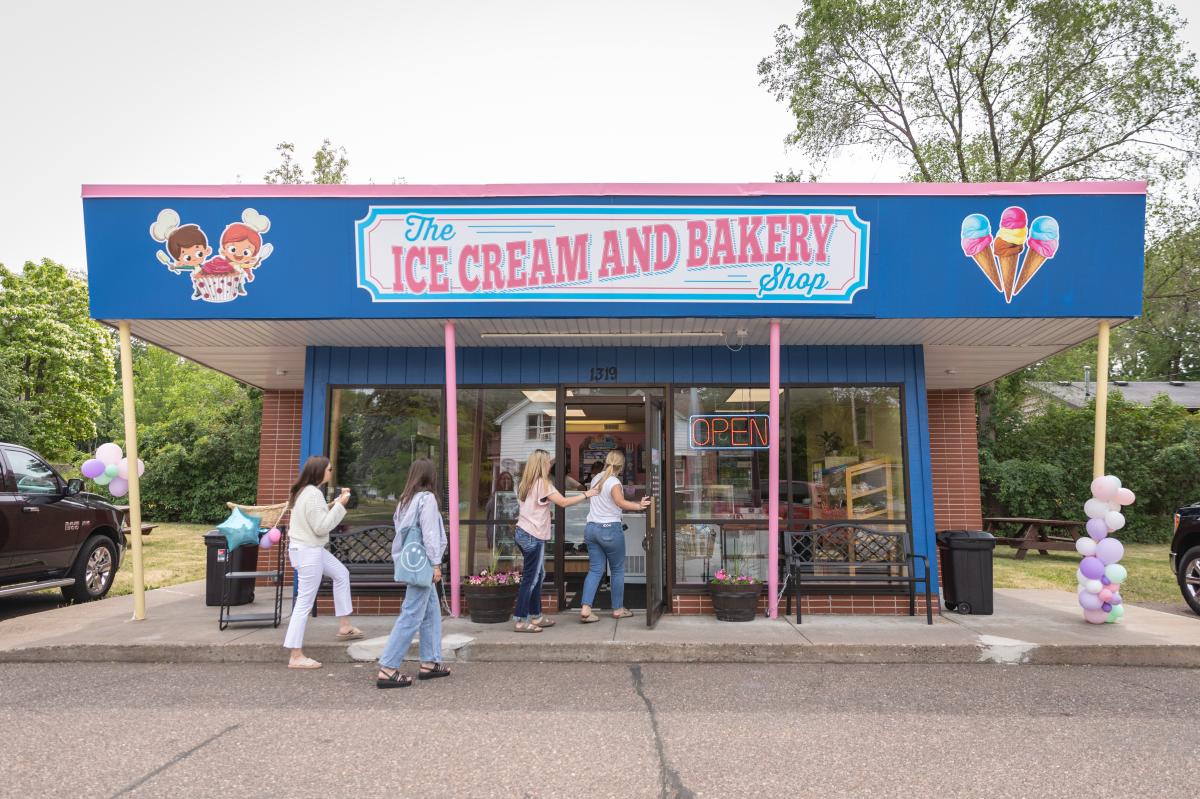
1185 554
52 534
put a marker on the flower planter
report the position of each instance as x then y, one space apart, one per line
735 602
490 604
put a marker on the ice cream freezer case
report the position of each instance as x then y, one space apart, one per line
635 542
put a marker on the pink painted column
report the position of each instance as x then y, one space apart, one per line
452 468
773 476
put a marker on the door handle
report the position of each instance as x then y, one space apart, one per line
29 509
653 514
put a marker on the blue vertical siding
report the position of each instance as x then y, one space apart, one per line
697 366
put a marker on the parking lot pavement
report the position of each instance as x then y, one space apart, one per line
585 730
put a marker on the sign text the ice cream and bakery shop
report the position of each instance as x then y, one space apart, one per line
639 254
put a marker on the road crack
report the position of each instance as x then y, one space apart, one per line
670 785
179 758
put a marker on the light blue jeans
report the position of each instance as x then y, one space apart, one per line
605 544
420 611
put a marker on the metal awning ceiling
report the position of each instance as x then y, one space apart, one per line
959 353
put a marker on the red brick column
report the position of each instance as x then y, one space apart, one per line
278 454
954 460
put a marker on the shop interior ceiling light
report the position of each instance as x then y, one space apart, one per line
643 334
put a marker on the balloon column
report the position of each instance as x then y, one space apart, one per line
1100 575
110 468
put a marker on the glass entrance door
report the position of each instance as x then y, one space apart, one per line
656 553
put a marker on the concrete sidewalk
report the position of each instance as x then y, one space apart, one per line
1029 627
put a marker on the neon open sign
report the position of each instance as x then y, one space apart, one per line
729 430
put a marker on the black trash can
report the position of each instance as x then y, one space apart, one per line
245 559
967 570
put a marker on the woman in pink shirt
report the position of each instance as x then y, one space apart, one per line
535 494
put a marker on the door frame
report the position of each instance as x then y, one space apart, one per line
666 516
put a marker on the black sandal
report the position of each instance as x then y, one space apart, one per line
438 670
396 680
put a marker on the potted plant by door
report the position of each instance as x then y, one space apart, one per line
491 595
734 594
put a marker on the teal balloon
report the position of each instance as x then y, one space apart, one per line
110 471
1117 612
1115 573
104 479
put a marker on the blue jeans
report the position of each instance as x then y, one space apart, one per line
605 544
533 572
420 610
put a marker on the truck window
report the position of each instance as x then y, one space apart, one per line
31 474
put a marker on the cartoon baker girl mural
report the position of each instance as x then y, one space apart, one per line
219 279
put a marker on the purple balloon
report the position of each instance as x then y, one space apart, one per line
1097 529
1106 607
1092 568
1089 601
1105 581
1116 599
1110 550
92 468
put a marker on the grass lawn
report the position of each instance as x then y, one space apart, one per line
172 554
1150 578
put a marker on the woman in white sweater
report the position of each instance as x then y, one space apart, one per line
311 521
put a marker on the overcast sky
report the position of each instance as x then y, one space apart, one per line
433 92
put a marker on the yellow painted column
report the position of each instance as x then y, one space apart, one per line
1101 400
135 489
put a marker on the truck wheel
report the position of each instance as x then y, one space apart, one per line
94 570
1189 578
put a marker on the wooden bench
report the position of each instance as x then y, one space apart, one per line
125 528
1036 534
853 556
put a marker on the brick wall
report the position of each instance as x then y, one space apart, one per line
278 457
954 460
855 604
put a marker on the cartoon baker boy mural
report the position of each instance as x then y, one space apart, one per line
219 279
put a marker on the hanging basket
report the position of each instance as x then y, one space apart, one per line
269 515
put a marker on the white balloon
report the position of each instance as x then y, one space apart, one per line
1093 586
1087 547
1080 578
1114 505
1114 519
1095 508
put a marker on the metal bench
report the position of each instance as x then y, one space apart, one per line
853 556
367 555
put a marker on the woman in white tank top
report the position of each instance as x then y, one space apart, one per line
605 537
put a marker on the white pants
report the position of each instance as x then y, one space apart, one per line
313 563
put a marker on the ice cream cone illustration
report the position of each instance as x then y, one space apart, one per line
1043 244
1009 243
977 244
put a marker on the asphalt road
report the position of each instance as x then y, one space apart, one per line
589 730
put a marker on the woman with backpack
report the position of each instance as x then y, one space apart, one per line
417 510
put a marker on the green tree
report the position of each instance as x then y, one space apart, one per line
992 90
59 361
330 165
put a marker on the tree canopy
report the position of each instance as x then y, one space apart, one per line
329 165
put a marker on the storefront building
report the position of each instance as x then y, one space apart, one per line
768 357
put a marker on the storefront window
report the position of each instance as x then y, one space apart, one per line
720 470
497 430
847 454
374 436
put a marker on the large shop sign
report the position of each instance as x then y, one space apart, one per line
633 254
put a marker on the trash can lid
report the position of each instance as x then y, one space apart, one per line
957 538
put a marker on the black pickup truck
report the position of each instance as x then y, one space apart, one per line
1185 554
51 534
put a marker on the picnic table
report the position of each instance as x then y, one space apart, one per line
1036 534
124 511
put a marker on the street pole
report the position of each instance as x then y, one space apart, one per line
134 479
1101 400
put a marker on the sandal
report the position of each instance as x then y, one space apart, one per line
526 627
623 613
591 618
304 663
353 634
438 670
543 621
394 680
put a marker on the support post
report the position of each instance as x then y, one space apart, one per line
1101 400
452 468
135 488
773 477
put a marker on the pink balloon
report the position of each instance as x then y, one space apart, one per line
1095 616
274 535
1105 595
108 454
118 486
141 467
1125 497
123 468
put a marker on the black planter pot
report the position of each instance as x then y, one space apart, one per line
490 604
735 602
